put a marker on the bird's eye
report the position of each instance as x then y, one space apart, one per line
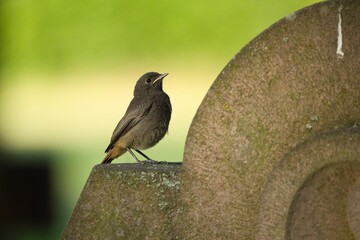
148 80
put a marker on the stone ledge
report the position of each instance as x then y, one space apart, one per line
109 207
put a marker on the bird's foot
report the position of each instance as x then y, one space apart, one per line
149 161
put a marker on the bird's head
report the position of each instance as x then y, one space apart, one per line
151 81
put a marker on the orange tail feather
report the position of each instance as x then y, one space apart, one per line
112 154
108 159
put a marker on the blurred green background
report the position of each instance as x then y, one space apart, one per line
68 69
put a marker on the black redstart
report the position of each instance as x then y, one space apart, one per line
145 122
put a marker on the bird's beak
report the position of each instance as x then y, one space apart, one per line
160 77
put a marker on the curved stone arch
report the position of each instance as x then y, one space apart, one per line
288 85
307 192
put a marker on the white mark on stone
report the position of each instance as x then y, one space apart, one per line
339 51
291 16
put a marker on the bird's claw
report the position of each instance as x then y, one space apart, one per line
149 161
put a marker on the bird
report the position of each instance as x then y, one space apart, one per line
146 120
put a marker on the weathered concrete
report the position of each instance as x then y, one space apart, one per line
127 201
289 85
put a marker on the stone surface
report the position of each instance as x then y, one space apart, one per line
127 201
286 88
308 192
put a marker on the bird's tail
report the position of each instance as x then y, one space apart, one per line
108 158
112 154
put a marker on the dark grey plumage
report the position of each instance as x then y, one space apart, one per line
146 120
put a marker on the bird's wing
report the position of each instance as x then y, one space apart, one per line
133 116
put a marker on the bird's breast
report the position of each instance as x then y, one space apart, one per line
154 125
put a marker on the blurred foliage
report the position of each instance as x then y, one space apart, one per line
60 33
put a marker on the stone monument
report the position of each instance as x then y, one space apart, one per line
272 153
